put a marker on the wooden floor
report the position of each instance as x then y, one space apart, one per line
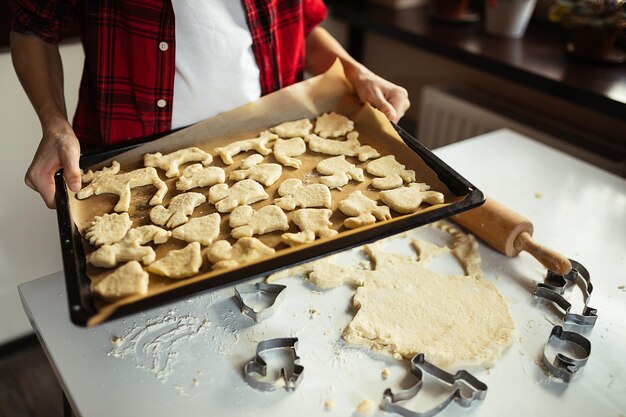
28 386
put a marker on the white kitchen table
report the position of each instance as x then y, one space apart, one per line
186 358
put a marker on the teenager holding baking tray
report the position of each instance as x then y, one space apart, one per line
153 66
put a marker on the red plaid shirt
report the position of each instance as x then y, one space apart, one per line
128 79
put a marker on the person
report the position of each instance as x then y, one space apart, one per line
154 66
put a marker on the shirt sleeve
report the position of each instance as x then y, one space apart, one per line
314 13
46 19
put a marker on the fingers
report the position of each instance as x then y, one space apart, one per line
399 99
42 181
380 102
70 155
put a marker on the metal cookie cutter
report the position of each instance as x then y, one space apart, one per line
563 366
256 369
554 287
275 291
466 389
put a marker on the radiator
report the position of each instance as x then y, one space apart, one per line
449 114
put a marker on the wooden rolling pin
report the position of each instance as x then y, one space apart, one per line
509 233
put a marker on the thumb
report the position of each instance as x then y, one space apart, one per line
70 155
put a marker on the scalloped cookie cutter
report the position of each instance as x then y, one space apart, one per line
563 366
274 291
288 378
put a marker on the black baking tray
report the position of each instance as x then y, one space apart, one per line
80 299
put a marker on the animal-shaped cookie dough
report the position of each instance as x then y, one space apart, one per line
313 223
294 194
408 199
294 129
245 250
128 279
364 209
247 222
109 181
171 162
393 173
243 192
203 229
285 150
108 229
338 172
178 210
181 263
198 176
259 144
333 125
252 168
349 147
130 248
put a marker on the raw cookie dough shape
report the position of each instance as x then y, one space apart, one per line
349 147
252 168
294 194
109 181
203 229
177 211
241 193
258 144
285 150
128 279
293 129
333 125
181 263
108 229
408 199
338 172
393 173
247 249
130 248
323 273
171 162
312 223
198 176
364 209
247 222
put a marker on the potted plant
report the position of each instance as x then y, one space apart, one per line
508 18
595 25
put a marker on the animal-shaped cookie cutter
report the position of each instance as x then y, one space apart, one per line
288 377
467 388
554 287
274 291
563 366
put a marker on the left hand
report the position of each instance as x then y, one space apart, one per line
387 97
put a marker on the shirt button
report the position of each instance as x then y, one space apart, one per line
161 103
163 46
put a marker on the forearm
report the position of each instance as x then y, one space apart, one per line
321 51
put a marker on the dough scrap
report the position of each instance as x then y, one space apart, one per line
364 209
130 248
109 181
393 173
338 172
285 150
245 250
203 229
171 162
252 168
293 129
312 223
408 199
323 273
241 193
181 263
198 176
258 144
294 194
108 229
247 222
128 279
178 210
349 147
333 125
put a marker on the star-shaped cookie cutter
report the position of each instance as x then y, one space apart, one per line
467 388
275 291
256 369
563 366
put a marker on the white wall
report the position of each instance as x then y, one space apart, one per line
29 246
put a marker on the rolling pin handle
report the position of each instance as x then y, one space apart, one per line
552 260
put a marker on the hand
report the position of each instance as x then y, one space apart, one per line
387 97
59 148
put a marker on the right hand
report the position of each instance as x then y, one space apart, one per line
59 148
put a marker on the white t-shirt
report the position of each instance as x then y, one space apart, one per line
215 67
